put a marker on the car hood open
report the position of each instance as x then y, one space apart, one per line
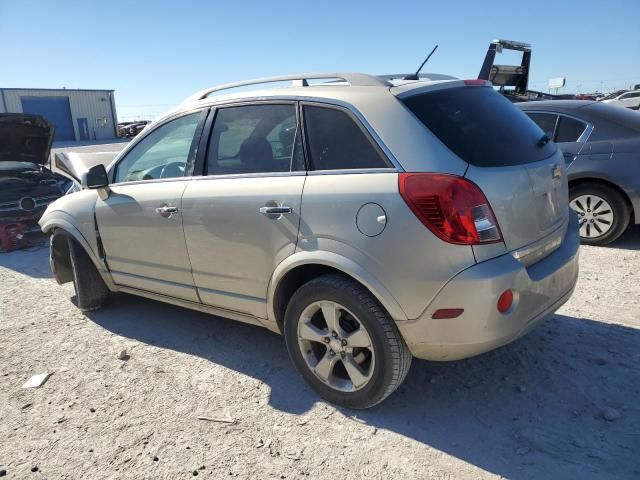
25 138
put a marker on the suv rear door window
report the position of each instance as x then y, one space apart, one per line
569 129
480 126
336 142
254 139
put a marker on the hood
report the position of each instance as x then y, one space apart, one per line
25 138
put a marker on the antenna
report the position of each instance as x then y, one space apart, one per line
415 75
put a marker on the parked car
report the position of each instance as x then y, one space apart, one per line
601 145
27 186
628 99
131 129
367 221
611 95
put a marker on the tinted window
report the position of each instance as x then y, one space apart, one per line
336 142
254 139
546 121
569 129
480 126
161 154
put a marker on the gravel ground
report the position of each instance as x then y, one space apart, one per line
559 403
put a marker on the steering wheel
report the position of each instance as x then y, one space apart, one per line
172 170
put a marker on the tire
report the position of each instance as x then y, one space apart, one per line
596 205
91 291
361 376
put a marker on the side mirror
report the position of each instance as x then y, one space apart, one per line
95 177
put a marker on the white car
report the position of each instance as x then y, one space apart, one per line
628 99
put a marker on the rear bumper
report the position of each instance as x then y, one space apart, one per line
539 290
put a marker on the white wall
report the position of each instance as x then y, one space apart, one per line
90 104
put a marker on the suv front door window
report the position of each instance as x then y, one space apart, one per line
162 153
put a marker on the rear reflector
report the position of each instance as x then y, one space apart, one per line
447 313
452 207
505 301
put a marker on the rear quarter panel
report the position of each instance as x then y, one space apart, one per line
406 258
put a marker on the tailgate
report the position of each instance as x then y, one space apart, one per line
529 201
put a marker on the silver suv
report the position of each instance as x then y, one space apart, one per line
367 220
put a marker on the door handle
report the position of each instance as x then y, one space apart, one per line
166 211
275 210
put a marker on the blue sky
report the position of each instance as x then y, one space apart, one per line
154 54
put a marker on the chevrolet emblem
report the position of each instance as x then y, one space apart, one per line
556 171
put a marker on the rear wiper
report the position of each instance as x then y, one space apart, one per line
544 139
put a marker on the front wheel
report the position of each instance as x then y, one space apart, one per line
602 213
343 343
91 291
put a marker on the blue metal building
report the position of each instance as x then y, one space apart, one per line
78 115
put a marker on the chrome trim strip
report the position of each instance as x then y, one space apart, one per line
536 251
251 175
148 182
38 201
351 171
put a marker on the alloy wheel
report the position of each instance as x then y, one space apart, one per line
595 215
336 346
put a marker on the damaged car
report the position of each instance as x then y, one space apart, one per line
27 186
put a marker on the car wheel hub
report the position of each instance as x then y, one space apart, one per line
594 215
336 346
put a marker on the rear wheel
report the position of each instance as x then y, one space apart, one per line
343 343
91 291
602 213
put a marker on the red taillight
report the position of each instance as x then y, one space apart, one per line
452 207
505 301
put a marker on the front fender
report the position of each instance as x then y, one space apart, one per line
341 263
57 219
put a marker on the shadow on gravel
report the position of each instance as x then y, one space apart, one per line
630 240
33 261
542 399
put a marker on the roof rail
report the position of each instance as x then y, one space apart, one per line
421 76
355 79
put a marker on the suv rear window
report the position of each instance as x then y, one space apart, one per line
480 126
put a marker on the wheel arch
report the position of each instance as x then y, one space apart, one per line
635 216
62 228
304 266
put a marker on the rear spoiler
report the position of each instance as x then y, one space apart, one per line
75 164
516 76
